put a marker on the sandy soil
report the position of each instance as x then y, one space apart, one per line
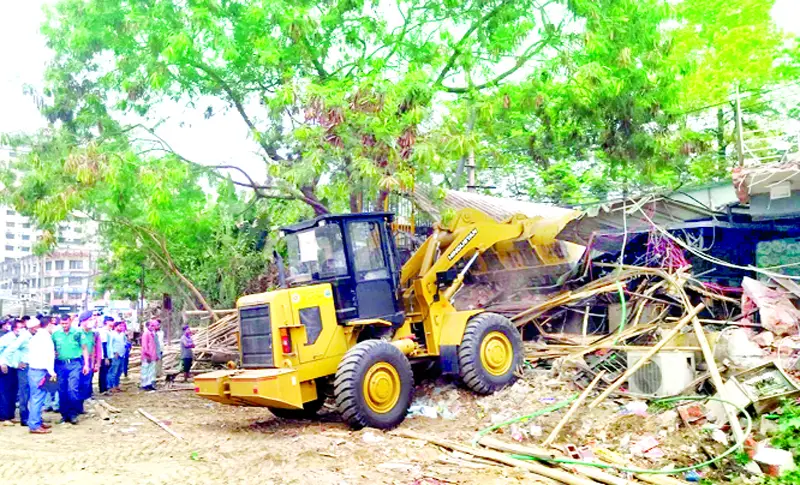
232 445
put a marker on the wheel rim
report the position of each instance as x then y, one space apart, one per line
381 387
497 353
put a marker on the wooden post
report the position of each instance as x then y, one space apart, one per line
646 357
708 355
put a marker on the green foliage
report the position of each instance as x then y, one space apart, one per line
788 438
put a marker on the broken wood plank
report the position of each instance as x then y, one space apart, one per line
102 412
573 409
109 407
538 470
160 424
646 357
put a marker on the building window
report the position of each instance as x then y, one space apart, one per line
9 248
58 295
26 225
76 264
74 280
61 240
9 235
48 282
59 265
60 281
78 230
9 224
75 296
10 212
25 237
25 249
48 265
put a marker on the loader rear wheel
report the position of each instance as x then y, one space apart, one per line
490 352
309 411
373 385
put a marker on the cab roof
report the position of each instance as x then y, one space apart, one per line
336 218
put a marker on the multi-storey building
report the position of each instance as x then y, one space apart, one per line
63 278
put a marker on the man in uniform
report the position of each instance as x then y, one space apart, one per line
72 359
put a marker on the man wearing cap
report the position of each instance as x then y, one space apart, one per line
72 359
15 356
41 358
91 341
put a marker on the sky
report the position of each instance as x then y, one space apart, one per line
222 139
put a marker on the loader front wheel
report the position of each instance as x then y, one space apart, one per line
373 385
490 352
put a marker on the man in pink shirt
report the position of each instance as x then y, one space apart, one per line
149 358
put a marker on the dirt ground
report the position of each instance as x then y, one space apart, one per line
232 445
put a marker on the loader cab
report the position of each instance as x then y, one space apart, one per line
356 254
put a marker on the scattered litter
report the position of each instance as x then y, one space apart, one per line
773 461
639 408
644 445
719 436
692 476
777 312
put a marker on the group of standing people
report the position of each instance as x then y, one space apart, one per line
41 357
153 353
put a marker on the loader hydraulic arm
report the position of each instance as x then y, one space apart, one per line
469 235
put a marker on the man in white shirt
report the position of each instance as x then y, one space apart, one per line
41 363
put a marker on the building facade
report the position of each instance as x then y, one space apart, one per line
62 278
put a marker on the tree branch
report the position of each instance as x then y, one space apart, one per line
457 48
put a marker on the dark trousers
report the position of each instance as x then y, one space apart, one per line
126 360
102 377
8 394
24 394
68 372
84 388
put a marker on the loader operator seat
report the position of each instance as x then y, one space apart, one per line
356 254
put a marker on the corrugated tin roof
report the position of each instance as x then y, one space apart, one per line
759 179
498 208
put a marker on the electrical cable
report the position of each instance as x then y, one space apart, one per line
700 254
568 461
555 407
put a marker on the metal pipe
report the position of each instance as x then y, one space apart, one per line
451 291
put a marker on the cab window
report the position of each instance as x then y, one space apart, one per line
367 251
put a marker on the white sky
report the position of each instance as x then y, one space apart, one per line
221 139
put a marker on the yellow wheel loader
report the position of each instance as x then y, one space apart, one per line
347 323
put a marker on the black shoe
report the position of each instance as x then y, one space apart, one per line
73 421
23 423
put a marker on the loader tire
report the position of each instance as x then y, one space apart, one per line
309 410
489 354
374 385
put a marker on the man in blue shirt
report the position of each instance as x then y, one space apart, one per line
15 356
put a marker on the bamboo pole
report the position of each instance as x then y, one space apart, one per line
573 409
160 424
593 473
535 468
646 357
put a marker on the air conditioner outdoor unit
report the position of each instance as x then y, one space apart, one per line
665 374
